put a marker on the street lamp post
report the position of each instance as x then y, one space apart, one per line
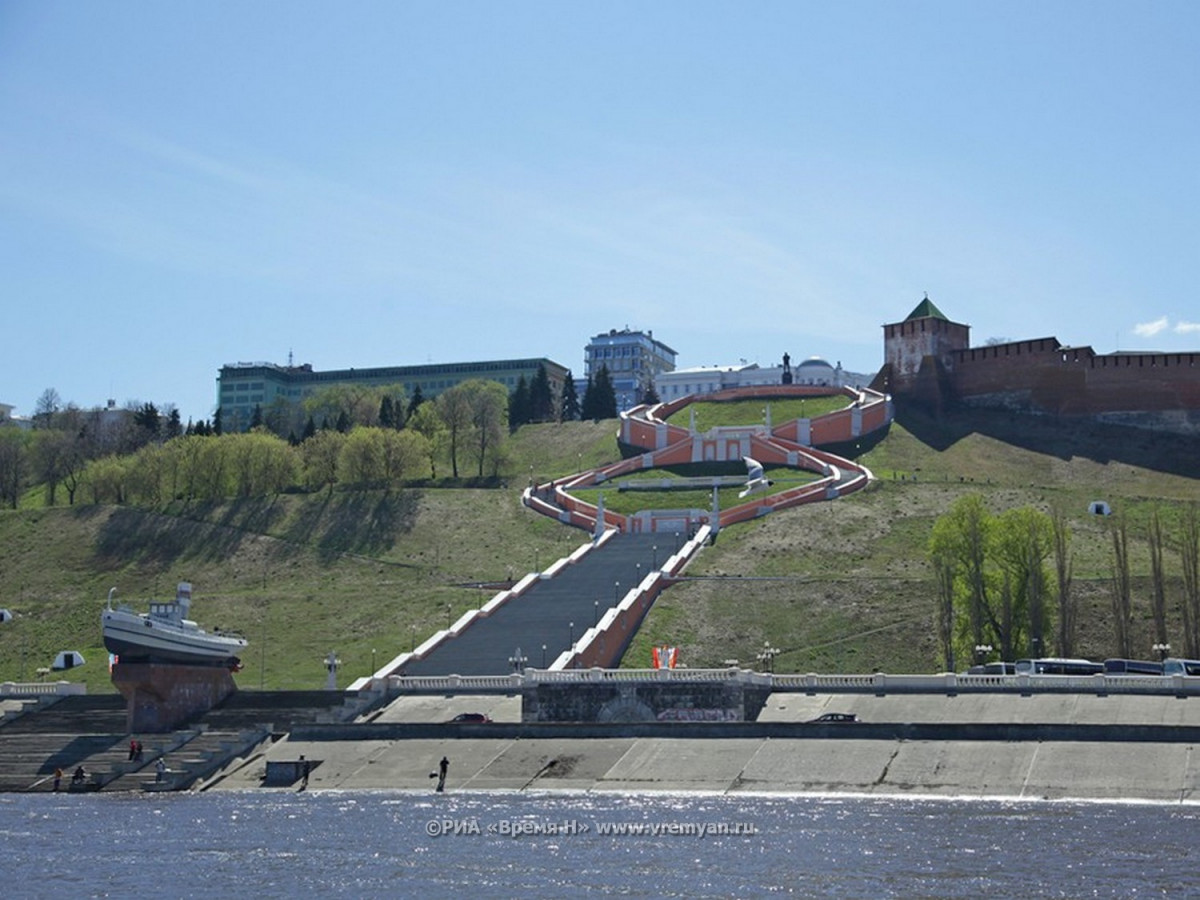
413 647
616 592
543 656
447 616
517 661
981 653
571 634
654 556
596 617
767 655
1163 650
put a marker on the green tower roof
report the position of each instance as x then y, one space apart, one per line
926 310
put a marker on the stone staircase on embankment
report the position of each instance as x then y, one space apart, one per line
89 731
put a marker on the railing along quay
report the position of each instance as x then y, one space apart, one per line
878 683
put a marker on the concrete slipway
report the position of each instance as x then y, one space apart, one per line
1165 768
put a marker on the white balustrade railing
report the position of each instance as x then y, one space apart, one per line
877 683
40 688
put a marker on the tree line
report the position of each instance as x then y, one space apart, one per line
1004 583
347 434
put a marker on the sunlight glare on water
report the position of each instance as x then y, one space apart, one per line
377 844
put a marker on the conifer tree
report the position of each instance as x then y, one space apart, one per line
606 396
568 405
588 409
519 409
415 401
541 401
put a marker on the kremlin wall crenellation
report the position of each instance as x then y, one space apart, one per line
928 361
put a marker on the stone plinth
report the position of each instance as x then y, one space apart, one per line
160 697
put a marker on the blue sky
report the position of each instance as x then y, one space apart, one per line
184 185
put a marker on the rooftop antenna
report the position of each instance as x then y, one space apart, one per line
289 357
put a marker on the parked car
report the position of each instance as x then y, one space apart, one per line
835 717
471 717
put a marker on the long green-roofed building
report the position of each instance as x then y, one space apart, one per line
246 386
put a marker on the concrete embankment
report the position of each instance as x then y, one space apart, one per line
1050 746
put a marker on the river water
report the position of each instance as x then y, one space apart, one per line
391 844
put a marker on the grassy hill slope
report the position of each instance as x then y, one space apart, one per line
839 586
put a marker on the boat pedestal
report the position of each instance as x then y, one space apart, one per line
159 697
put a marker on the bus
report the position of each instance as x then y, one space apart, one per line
1055 666
993 668
1132 667
1173 666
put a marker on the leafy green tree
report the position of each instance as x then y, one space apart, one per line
106 477
650 395
405 455
489 419
454 409
1023 541
959 542
427 422
320 455
361 459
144 478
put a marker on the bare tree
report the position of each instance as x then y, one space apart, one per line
1158 599
1121 589
48 403
943 569
13 464
1189 551
1061 537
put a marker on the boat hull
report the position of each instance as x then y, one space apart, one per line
137 638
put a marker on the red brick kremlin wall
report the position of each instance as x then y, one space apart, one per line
1044 376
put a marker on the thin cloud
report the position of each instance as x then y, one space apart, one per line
1150 329
1187 327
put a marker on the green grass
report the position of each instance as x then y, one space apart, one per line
710 414
840 586
630 502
